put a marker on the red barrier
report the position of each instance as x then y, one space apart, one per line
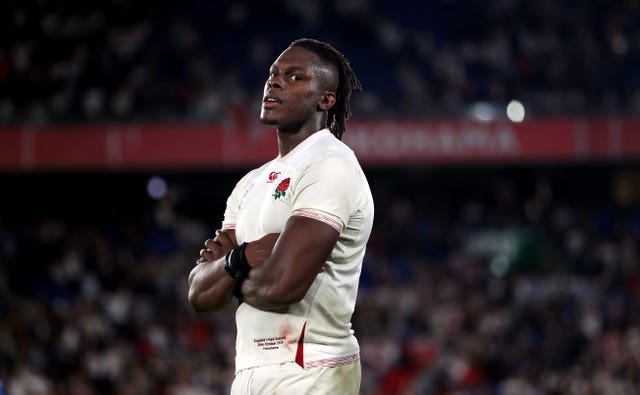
377 142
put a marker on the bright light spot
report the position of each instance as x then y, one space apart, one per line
156 187
500 265
483 111
515 111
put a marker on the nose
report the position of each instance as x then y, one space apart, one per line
274 82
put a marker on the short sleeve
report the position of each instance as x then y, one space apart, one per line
327 190
234 201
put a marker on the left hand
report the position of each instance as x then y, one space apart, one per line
218 247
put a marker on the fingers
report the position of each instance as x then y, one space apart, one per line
224 240
207 255
218 247
213 246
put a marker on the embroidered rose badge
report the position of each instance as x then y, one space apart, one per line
282 188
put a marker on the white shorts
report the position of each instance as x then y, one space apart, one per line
290 378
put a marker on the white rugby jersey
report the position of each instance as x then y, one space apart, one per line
321 179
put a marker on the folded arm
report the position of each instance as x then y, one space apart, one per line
210 287
299 255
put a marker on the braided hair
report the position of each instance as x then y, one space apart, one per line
341 110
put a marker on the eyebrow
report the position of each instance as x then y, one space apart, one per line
289 69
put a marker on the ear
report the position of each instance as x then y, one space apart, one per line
327 101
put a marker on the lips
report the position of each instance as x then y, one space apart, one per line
270 101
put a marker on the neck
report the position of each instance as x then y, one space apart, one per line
287 141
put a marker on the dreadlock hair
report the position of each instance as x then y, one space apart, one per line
347 81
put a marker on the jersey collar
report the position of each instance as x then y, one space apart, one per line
306 143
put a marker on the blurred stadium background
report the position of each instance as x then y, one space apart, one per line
501 140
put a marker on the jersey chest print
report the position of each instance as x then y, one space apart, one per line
281 189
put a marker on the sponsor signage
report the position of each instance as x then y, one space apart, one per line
388 142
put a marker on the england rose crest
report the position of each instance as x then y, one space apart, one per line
281 190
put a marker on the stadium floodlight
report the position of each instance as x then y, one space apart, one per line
515 111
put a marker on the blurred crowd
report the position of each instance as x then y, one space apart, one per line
472 283
199 61
494 284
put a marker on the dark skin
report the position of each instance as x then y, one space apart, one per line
299 91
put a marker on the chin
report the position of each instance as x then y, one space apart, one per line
268 121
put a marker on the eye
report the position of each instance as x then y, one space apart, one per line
295 77
273 74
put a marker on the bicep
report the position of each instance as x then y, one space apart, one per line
305 244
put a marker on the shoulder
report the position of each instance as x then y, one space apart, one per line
336 166
254 172
331 151
250 176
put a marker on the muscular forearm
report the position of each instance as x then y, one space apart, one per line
269 288
260 288
210 287
256 293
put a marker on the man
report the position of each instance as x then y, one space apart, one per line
294 236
